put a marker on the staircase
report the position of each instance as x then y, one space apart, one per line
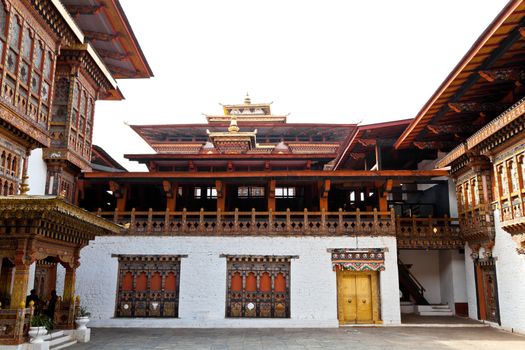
59 340
434 310
410 286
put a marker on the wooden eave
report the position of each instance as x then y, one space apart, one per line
338 174
487 137
218 157
17 124
386 130
92 64
147 132
484 54
98 153
120 49
54 210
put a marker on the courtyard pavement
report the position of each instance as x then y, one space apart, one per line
390 338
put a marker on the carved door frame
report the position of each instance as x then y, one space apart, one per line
484 269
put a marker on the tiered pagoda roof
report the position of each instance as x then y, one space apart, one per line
245 131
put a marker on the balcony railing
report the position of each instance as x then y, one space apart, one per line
411 232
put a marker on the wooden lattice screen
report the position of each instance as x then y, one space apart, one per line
258 286
148 286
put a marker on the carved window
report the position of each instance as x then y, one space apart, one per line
14 40
514 176
467 195
47 65
258 286
521 160
148 286
250 192
3 19
37 61
35 83
285 192
475 188
28 44
503 181
24 74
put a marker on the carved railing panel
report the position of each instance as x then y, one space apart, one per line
258 286
439 233
14 325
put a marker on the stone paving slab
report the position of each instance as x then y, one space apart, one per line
374 338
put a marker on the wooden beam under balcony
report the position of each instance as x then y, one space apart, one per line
369 174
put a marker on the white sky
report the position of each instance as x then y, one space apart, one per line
323 61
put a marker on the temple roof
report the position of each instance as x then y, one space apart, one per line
486 81
368 135
104 24
102 161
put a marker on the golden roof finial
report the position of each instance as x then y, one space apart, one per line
233 124
247 99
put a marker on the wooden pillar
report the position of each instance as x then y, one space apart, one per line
324 190
120 192
69 284
383 197
221 198
378 156
20 282
171 190
271 195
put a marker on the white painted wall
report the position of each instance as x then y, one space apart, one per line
31 282
446 278
37 172
510 275
203 278
452 277
459 277
471 284
425 267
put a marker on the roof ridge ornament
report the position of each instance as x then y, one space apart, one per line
247 99
233 124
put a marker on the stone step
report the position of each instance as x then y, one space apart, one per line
63 345
432 307
53 335
60 340
436 313
434 310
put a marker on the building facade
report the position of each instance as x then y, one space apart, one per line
247 220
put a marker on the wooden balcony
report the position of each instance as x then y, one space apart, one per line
415 233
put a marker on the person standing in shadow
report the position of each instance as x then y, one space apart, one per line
50 311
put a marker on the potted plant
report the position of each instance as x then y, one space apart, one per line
83 318
40 325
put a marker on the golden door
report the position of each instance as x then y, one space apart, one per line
358 300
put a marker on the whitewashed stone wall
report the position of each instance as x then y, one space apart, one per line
471 284
203 278
452 277
510 274
37 172
425 267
